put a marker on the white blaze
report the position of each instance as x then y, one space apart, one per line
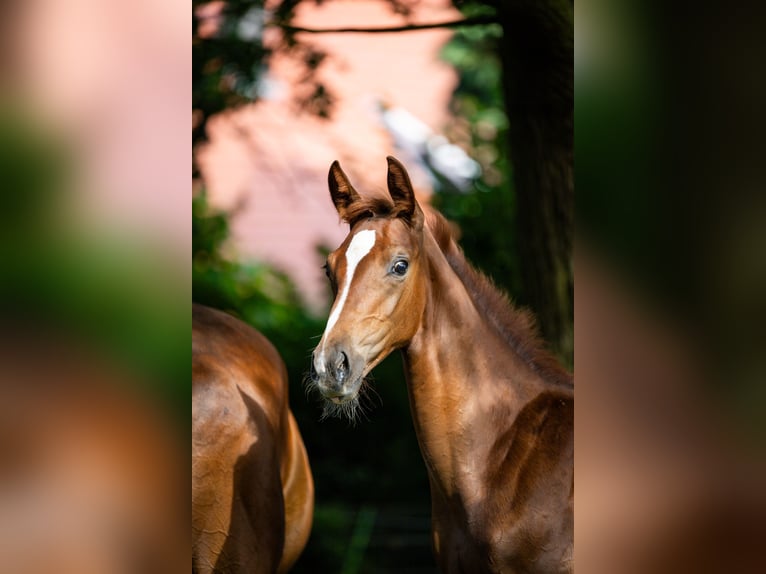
361 244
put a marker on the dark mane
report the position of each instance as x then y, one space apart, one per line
516 326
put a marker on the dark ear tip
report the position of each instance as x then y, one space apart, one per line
393 161
335 173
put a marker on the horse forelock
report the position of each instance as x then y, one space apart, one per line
372 206
517 326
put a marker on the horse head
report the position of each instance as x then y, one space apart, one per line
376 275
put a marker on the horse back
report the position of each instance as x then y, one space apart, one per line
248 460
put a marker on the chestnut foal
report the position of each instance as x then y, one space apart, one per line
492 410
252 488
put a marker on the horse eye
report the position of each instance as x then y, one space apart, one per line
400 267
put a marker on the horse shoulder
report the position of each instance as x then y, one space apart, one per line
528 516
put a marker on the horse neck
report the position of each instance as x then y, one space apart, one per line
457 366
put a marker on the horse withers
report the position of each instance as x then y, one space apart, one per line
492 409
252 488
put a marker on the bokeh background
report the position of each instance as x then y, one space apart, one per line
670 264
95 284
281 90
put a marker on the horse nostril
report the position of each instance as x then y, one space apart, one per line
341 367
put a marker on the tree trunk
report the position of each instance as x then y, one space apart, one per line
538 68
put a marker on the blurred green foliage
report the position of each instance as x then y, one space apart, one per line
65 277
487 213
33 166
255 292
226 61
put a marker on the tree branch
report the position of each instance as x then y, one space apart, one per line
477 21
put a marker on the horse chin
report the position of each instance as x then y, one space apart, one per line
344 406
351 395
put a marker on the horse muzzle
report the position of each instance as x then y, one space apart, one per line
337 377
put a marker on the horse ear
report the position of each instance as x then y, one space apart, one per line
342 192
400 188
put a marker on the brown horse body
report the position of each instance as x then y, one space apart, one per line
252 488
492 410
